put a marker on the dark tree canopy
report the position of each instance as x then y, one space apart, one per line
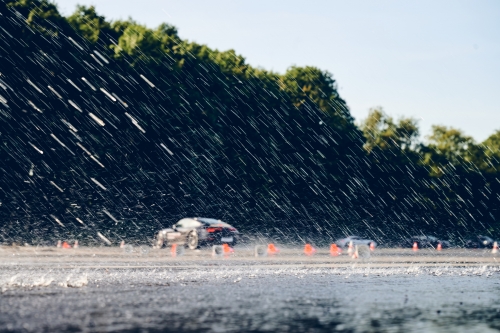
118 128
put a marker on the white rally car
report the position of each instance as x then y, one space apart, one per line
197 231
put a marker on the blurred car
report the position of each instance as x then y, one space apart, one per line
425 241
479 242
356 240
197 231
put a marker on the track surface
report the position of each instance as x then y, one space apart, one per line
145 290
144 257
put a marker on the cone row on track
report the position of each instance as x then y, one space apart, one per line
227 249
350 249
263 250
66 245
362 252
309 250
260 251
222 250
355 254
272 249
335 250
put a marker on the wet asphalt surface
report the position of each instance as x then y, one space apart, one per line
218 295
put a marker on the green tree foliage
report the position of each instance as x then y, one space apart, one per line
272 142
486 155
381 131
311 85
230 62
140 42
90 25
448 146
41 15
493 144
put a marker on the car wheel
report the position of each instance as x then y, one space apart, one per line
192 240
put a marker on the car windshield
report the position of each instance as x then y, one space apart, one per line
208 222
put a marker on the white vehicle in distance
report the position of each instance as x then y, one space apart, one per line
197 231
356 240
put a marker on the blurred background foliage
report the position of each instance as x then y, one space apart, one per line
379 173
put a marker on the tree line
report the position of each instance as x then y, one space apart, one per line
193 131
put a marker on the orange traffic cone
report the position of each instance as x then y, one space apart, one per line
355 254
227 249
309 250
58 243
334 250
173 250
495 248
271 249
76 245
65 245
439 247
350 249
372 246
415 246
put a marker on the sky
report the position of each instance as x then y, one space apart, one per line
436 61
